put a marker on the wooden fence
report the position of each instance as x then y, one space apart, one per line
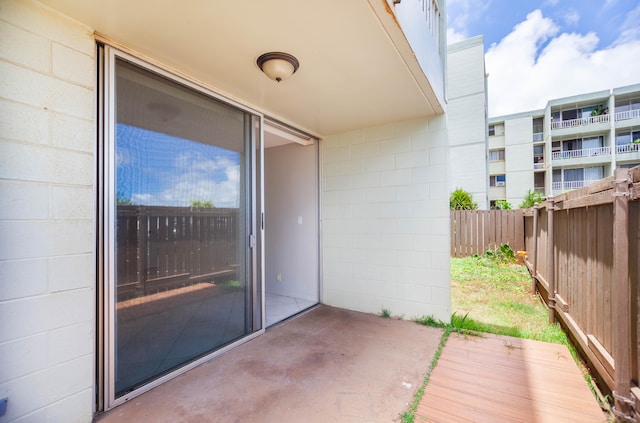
476 231
161 248
583 255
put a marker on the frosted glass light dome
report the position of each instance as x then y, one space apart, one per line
278 66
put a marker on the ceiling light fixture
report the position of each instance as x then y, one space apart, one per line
278 66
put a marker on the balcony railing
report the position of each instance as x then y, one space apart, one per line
539 165
539 189
627 148
569 185
586 152
629 114
561 124
538 136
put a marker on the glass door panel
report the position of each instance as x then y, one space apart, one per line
184 166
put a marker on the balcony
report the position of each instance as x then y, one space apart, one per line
538 137
570 185
629 114
627 148
423 24
586 152
585 121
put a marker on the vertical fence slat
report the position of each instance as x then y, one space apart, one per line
622 326
550 260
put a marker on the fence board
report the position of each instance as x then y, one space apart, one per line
584 254
476 231
161 248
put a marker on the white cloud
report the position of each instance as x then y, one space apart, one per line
215 180
630 29
571 17
524 73
453 36
464 11
186 188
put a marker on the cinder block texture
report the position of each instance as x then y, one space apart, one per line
385 224
47 214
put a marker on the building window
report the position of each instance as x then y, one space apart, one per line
497 180
627 105
538 156
538 125
496 155
496 129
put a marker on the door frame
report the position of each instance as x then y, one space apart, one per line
105 260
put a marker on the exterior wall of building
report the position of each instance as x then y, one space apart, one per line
386 236
47 215
385 219
518 158
467 122
566 120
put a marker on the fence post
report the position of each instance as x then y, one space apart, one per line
551 261
622 305
534 279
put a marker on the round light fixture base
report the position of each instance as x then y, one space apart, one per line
278 66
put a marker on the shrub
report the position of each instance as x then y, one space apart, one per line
530 199
502 205
462 200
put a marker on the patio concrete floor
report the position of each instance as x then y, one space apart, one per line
326 365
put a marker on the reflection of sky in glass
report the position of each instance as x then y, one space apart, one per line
156 169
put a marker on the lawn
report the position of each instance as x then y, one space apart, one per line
490 295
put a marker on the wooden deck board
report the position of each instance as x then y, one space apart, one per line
503 379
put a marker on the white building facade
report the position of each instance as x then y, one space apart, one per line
467 114
127 137
572 143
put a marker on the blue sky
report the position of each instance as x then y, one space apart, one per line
150 172
540 50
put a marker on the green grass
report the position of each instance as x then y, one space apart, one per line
409 416
495 297
490 295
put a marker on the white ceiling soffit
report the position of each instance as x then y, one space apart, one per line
356 69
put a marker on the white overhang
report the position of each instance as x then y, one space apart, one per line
356 66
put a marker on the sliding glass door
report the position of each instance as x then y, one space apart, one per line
180 190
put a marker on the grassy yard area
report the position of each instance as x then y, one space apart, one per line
488 295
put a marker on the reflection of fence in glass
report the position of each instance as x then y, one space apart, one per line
162 248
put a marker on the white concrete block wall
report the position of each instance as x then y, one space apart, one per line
47 215
385 219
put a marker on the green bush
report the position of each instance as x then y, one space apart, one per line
530 199
462 200
502 254
502 205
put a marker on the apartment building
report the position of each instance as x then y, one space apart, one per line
168 169
571 143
